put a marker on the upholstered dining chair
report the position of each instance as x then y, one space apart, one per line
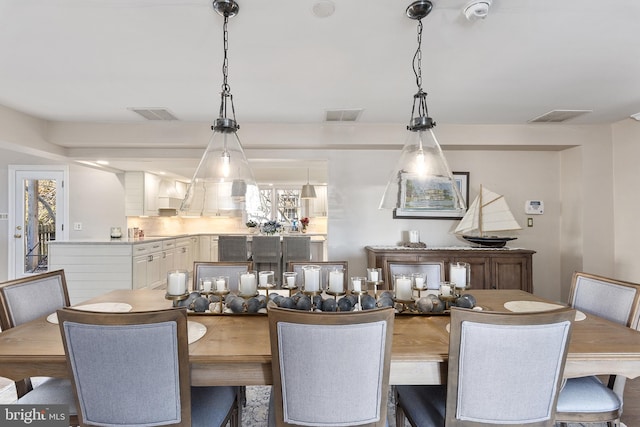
26 299
295 248
213 269
504 369
266 254
330 369
133 369
588 399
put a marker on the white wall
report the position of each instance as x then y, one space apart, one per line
626 153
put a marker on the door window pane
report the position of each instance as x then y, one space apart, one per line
39 222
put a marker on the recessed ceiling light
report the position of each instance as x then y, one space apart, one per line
635 116
102 162
323 9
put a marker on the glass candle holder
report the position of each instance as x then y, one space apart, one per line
447 291
419 281
460 275
335 281
221 284
177 282
248 283
266 278
289 279
374 274
358 284
311 278
206 285
402 286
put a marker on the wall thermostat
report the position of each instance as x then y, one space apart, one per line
534 207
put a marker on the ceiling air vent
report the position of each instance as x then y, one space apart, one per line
347 115
154 113
558 116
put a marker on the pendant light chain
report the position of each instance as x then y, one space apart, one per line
224 123
421 120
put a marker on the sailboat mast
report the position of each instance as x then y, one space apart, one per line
480 212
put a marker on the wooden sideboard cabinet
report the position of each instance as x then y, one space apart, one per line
490 268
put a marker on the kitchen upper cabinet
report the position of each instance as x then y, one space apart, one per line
319 204
145 193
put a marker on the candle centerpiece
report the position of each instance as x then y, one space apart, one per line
266 281
248 284
311 280
335 285
403 288
177 281
460 276
374 277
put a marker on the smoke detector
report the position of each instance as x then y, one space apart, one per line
477 9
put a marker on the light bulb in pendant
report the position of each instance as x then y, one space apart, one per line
226 164
420 164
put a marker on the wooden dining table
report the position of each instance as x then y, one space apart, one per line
235 349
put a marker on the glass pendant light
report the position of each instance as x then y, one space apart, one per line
421 179
223 177
308 190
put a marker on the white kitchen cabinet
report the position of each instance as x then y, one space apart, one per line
319 204
147 265
214 249
317 251
184 259
167 263
141 194
204 252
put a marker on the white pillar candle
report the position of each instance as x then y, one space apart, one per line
458 275
220 285
403 289
206 285
176 283
445 290
419 282
264 278
357 285
336 281
414 236
311 280
291 281
373 275
248 285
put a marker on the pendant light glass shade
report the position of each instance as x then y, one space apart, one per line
223 179
220 183
421 179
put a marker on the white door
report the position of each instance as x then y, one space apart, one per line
37 214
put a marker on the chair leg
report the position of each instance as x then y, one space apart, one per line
399 412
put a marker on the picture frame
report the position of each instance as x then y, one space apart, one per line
414 205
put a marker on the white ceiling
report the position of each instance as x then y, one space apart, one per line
93 60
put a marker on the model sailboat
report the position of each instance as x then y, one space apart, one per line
488 213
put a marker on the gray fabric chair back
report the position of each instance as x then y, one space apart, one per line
433 271
232 248
216 269
331 369
266 249
325 268
610 299
129 369
506 368
295 249
28 298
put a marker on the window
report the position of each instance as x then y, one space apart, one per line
272 203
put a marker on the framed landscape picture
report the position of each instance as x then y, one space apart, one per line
431 199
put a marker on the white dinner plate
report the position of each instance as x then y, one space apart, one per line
104 307
532 306
195 331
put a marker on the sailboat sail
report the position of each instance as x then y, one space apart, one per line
489 212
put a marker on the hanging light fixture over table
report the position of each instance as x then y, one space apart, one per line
223 177
308 190
421 179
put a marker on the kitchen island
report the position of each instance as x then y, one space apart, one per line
95 266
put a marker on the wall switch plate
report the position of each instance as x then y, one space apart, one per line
534 207
529 222
77 226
